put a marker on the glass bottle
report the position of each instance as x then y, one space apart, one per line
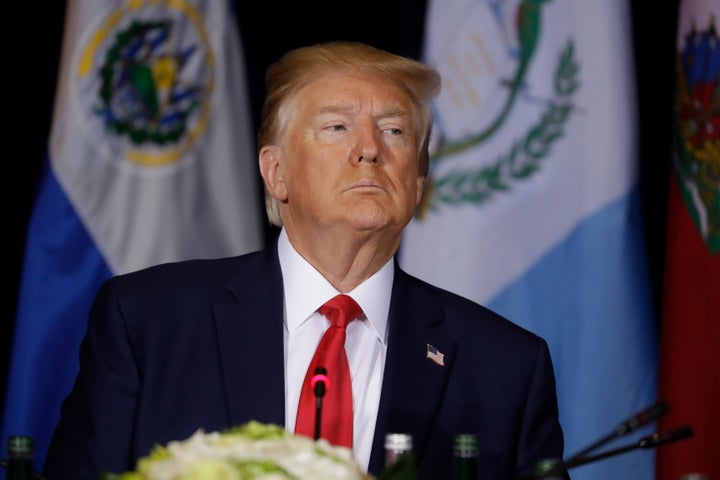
465 457
550 469
399 458
20 451
395 445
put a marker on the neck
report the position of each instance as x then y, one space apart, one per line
345 257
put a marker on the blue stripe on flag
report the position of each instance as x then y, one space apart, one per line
111 203
61 273
589 298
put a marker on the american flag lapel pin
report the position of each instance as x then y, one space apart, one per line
435 355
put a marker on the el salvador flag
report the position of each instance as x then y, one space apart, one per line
151 159
532 206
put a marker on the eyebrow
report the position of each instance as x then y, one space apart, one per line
347 108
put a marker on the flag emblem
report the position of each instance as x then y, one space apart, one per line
144 81
697 161
435 355
485 63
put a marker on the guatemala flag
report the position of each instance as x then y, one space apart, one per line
151 159
532 205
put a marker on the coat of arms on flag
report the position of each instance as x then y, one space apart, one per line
696 154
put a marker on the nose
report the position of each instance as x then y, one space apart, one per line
366 146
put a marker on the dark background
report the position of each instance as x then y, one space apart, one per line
32 33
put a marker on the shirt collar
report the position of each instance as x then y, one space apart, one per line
305 290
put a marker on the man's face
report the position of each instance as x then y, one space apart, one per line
348 156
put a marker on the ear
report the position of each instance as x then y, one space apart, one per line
269 160
420 186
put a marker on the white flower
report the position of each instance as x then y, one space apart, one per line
254 451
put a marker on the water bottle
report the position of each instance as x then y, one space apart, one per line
465 457
20 451
396 444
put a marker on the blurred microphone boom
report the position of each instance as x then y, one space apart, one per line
642 418
658 439
638 420
651 441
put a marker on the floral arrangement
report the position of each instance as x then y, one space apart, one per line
254 451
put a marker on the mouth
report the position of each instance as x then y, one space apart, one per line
366 183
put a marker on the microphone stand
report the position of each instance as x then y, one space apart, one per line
639 420
652 441
319 383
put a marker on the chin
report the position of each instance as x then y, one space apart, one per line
373 225
375 218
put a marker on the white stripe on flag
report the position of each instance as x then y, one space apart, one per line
148 164
189 188
531 204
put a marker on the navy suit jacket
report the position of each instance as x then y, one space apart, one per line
199 344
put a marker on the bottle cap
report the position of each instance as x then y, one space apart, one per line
548 466
20 445
398 441
466 444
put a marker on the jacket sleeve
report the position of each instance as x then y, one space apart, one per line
541 436
94 433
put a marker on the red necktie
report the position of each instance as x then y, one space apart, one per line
337 404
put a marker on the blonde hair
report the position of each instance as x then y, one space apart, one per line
299 67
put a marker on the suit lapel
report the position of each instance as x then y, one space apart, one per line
250 339
413 384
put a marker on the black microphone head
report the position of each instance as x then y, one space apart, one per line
643 418
657 439
320 382
680 433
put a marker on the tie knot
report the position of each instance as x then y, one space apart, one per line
341 310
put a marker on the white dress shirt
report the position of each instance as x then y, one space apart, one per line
305 290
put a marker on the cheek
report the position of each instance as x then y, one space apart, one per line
308 183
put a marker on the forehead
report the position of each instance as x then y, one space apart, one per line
353 88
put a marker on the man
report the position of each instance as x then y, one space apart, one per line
215 343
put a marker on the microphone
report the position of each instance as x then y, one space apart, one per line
651 441
638 420
658 439
642 418
320 383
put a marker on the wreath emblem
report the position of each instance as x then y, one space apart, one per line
697 132
148 72
525 155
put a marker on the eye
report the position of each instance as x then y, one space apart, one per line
394 131
338 127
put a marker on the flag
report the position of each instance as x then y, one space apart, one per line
150 159
435 355
689 361
532 205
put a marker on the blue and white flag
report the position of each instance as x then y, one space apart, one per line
151 159
532 203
